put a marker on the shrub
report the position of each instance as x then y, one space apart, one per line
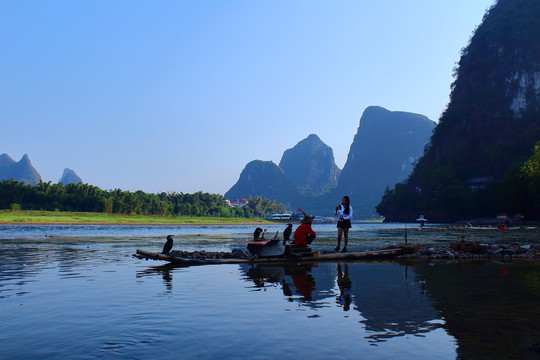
15 207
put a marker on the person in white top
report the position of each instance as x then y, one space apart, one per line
344 211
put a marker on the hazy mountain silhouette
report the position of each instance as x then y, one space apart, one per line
266 179
384 151
69 177
22 171
311 167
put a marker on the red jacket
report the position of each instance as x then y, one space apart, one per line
301 233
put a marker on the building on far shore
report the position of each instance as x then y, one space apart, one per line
238 203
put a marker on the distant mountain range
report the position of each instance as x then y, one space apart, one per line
24 172
383 153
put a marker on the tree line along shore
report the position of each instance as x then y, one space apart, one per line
85 198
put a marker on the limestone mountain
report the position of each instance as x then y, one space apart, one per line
6 160
310 166
489 127
384 151
22 171
69 177
266 179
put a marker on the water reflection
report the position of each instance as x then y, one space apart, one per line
345 292
389 301
290 277
490 308
166 272
377 309
303 282
21 262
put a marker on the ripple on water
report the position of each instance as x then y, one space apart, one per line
85 297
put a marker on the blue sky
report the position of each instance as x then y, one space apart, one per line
181 95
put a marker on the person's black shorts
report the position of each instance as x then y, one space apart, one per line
344 224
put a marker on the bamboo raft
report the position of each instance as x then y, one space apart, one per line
312 257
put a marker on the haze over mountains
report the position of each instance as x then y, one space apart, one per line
383 153
483 158
25 172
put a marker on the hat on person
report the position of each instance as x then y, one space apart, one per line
307 219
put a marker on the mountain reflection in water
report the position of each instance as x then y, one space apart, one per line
490 308
389 302
88 298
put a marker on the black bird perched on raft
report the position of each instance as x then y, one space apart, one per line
257 233
168 245
287 233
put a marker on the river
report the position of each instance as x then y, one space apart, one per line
76 292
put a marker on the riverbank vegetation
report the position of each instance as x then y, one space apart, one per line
84 198
446 198
69 217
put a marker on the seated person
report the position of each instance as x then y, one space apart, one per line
304 234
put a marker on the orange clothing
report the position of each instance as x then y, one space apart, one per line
301 235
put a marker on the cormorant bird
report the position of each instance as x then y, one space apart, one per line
168 245
287 232
257 233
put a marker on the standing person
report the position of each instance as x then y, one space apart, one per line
344 211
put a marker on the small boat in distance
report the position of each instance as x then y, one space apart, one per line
422 220
281 216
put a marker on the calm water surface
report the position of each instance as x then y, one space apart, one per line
79 294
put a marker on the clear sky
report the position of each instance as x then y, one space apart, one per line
180 95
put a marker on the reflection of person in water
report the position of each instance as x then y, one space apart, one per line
305 284
344 284
302 279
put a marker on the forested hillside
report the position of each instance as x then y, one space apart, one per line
488 130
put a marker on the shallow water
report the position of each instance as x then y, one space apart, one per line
79 294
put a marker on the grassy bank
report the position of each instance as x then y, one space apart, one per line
57 217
